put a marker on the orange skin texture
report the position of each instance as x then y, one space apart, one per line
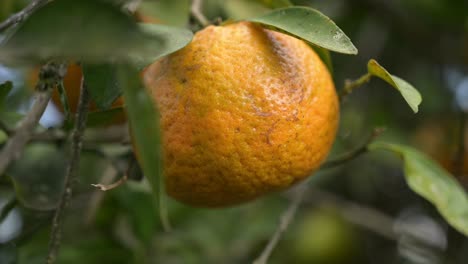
72 84
245 111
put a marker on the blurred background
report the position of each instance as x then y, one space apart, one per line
360 212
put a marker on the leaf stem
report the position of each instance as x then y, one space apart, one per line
350 86
354 153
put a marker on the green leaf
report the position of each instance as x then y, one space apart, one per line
146 134
173 39
409 93
101 80
425 177
276 3
168 12
88 31
5 89
309 25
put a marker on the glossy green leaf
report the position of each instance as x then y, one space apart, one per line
101 81
173 40
167 12
101 32
144 124
309 25
425 177
409 93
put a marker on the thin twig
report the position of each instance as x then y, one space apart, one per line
351 85
285 220
23 14
25 128
71 173
15 145
109 174
108 187
197 13
355 153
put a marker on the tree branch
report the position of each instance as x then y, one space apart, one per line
197 13
285 220
50 75
23 14
71 173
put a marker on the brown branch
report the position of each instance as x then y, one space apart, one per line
285 220
50 75
71 173
23 14
355 153
197 13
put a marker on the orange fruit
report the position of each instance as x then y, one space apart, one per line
244 111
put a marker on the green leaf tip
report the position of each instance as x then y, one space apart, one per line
429 180
409 93
310 25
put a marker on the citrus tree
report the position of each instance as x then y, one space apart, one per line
212 132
